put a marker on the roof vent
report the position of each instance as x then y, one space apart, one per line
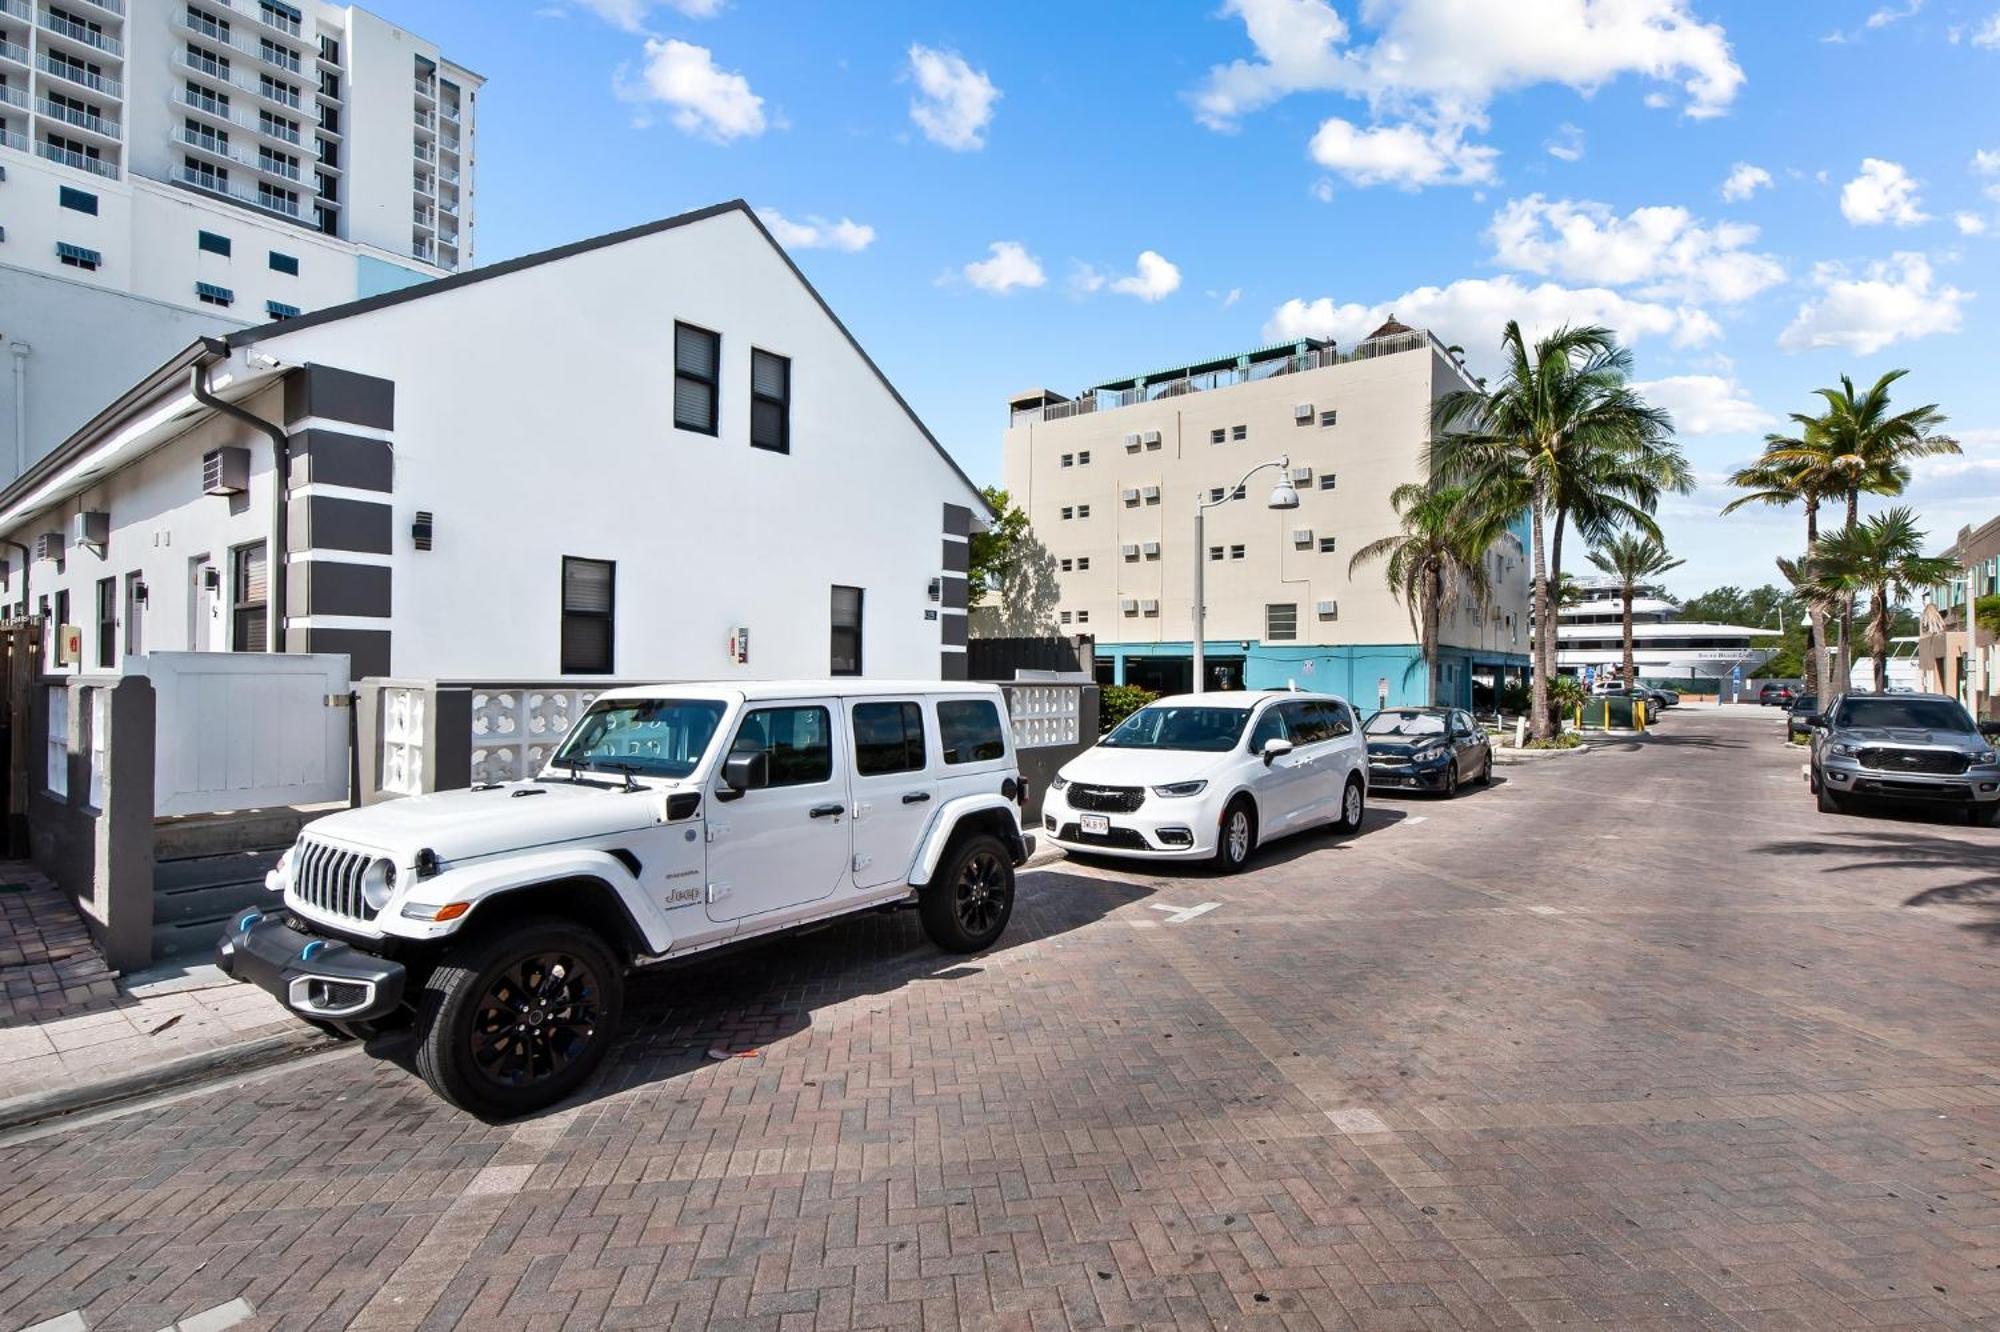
225 471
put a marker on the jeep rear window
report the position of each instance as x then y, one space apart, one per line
970 731
652 737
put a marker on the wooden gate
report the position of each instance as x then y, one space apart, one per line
248 730
19 644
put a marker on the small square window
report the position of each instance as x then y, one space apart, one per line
1082 563
210 294
770 401
1217 436
83 201
1068 513
1083 617
1328 481
77 256
1065 617
1215 494
1215 552
1083 511
1069 460
1281 622
1239 432
1236 552
1329 417
1242 492
284 263
1326 545
1083 459
212 243
1067 565
697 368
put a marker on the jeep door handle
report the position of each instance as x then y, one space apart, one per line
916 797
827 811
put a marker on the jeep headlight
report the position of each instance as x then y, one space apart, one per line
378 884
1173 790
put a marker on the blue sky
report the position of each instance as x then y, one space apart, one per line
1759 195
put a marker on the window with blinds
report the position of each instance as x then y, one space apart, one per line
846 631
589 590
770 401
107 624
249 599
697 367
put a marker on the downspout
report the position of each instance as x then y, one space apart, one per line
20 350
27 562
279 565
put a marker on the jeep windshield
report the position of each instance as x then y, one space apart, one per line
1903 714
641 737
1207 730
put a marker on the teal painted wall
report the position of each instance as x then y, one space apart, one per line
378 277
1356 672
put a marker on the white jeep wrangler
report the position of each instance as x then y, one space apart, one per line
499 923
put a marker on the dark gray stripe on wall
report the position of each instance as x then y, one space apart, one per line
328 522
340 395
957 557
953 591
367 650
334 587
333 459
953 666
957 520
951 629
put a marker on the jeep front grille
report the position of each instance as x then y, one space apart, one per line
328 878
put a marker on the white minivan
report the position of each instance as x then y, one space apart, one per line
1211 776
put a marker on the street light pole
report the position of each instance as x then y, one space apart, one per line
1283 496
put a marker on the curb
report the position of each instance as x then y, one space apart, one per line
184 1071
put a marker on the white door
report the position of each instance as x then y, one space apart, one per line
783 846
1279 783
205 605
240 730
894 794
135 616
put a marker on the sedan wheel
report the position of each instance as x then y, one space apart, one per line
1451 780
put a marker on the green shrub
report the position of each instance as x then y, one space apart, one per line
1568 694
1117 702
1514 698
1567 740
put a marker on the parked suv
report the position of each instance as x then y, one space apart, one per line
499 923
1776 695
1912 747
1210 776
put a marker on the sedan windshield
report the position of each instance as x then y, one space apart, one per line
1405 723
1209 730
648 737
1916 714
1806 703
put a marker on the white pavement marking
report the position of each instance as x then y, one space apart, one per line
73 1321
1414 819
1546 910
214 1320
1356 1120
1177 915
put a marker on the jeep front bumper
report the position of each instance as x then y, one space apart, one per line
315 977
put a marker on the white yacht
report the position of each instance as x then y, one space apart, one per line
1665 648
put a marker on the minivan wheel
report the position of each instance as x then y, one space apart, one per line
1353 807
966 904
1236 837
518 1020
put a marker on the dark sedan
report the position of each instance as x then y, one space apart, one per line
1426 749
1799 721
1776 695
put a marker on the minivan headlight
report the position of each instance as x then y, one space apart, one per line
1176 789
378 884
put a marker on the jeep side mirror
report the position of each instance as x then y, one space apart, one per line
749 771
1276 748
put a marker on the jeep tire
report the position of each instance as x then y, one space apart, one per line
514 1021
969 899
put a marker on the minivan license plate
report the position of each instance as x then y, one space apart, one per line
1096 825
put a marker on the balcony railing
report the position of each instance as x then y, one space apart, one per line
80 161
423 153
13 96
11 139
206 26
257 196
110 6
426 87
83 77
76 32
425 120
424 250
17 54
423 217
271 18
448 143
278 55
69 115
447 173
20 9
449 112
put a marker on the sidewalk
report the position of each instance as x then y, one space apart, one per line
74 1033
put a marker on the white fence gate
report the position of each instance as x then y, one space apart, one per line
247 730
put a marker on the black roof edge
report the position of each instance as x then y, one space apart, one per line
370 304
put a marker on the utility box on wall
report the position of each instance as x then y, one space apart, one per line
225 471
69 645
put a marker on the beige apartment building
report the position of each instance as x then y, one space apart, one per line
1954 655
1110 480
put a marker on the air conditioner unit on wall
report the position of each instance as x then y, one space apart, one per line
1130 494
1152 547
225 471
1329 610
1149 607
90 528
49 546
1301 475
1302 412
1129 550
1132 443
1152 439
1302 536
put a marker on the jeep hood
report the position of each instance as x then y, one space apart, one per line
458 825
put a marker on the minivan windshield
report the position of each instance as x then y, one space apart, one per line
1180 726
647 737
1915 714
1405 723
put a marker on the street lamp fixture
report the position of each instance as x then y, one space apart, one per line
1283 496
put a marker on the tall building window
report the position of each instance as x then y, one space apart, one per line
1281 622
107 624
770 401
589 594
846 631
249 597
214 244
697 366
284 263
81 200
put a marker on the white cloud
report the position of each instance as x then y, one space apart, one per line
1227 298
631 15
1154 279
1883 192
1970 224
1401 155
1007 266
1707 405
1472 311
709 101
1567 143
1322 189
954 101
1888 14
1745 180
1987 34
1665 252
1986 162
1894 300
818 233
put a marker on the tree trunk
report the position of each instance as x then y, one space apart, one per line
1538 695
1432 615
1844 670
1628 635
1548 644
1815 662
1880 634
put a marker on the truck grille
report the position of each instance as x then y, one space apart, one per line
1884 759
328 879
1106 799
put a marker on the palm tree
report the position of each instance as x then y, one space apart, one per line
1437 561
1633 561
1883 557
1865 447
1565 437
1796 469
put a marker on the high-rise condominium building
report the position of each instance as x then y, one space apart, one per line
1111 478
175 167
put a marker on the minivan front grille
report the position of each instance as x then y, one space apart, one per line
1106 799
328 878
1882 758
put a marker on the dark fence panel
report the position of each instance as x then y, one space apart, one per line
1000 658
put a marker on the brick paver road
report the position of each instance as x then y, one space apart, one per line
1634 1038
